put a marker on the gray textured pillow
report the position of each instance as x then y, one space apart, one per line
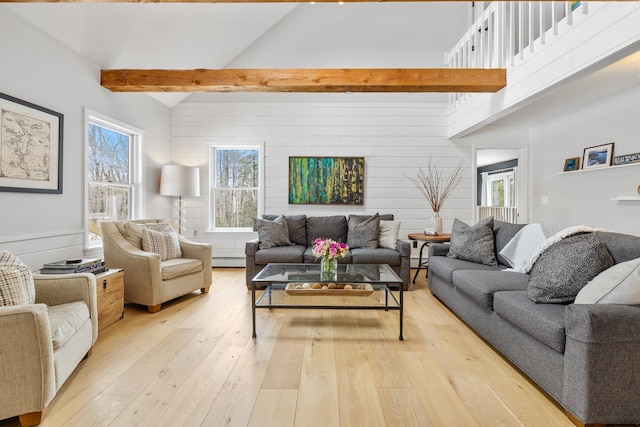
473 243
272 233
566 267
363 232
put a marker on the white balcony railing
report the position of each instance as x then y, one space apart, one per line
506 214
508 32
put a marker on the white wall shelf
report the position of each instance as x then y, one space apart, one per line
598 169
626 198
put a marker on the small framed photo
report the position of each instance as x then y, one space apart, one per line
572 164
598 156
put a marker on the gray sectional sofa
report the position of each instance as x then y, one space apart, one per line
303 230
586 356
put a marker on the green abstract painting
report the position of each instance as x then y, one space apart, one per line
326 180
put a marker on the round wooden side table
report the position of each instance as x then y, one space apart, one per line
426 239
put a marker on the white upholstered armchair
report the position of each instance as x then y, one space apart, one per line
41 344
152 278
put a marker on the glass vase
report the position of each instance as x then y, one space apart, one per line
328 269
436 222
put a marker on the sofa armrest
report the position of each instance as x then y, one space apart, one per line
603 323
26 360
403 247
56 289
602 368
251 247
438 249
201 251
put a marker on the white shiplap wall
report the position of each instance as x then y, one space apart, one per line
394 139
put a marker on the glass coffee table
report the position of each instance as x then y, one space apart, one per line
292 286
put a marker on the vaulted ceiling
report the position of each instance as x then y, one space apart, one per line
250 35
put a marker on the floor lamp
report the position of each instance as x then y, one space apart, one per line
178 180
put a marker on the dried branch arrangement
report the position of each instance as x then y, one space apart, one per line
434 186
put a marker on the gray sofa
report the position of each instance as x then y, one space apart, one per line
304 230
586 356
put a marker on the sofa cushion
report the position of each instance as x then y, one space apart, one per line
444 267
177 267
473 243
272 233
545 322
164 243
481 285
65 320
16 281
619 284
327 227
375 256
309 257
503 232
389 231
363 233
285 254
566 266
297 225
622 247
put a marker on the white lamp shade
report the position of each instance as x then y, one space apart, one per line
177 180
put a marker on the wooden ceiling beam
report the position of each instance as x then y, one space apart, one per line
306 80
246 1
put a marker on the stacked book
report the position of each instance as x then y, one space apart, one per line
79 265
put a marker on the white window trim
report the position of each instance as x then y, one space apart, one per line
237 145
137 176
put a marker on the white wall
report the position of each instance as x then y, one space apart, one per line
584 197
35 68
394 139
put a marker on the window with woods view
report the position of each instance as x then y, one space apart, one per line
235 191
111 161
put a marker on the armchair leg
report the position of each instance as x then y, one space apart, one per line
579 423
30 419
86 356
154 308
205 289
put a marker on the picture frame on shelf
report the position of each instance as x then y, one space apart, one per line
626 159
598 156
572 164
30 147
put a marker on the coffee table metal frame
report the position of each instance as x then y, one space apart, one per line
351 273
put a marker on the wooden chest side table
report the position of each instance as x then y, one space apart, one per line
110 292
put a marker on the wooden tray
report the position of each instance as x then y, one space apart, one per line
359 289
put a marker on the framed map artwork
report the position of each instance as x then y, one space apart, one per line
326 180
30 147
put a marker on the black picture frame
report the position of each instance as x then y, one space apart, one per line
30 147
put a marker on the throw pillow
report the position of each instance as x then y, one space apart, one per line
16 281
473 243
272 233
133 231
297 227
363 233
566 267
389 231
164 243
619 284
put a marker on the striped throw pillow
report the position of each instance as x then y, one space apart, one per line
165 243
16 281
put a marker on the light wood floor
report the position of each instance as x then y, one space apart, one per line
195 364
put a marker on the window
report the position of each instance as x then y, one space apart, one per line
112 180
235 187
501 189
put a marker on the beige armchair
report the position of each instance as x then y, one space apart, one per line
41 344
148 280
